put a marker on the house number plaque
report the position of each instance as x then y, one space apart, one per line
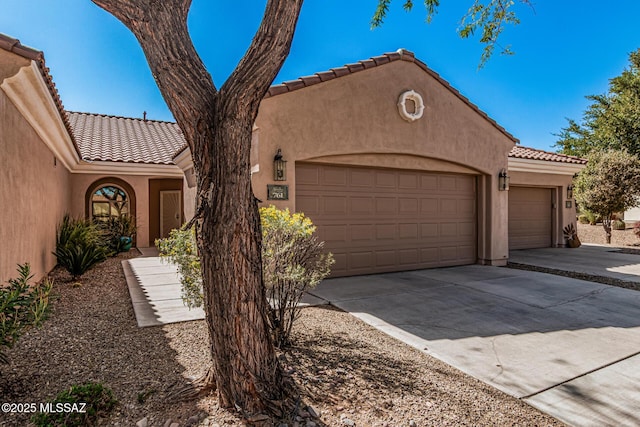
277 192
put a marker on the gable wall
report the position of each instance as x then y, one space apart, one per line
34 195
354 120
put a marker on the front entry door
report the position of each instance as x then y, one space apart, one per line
170 211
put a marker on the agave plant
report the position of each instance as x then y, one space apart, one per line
79 245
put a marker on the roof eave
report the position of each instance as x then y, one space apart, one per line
127 168
544 166
32 96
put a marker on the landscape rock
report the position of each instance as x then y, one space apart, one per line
313 412
192 421
347 421
143 422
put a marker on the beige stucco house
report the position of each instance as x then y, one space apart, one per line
398 170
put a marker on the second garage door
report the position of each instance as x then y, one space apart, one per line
529 217
382 220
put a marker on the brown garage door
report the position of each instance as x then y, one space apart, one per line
380 220
529 217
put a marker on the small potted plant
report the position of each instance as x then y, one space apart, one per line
571 235
118 232
127 228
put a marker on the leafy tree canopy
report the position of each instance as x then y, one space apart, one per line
610 183
488 18
612 121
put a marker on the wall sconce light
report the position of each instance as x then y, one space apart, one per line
570 191
279 167
503 180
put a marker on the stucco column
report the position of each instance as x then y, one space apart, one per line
493 222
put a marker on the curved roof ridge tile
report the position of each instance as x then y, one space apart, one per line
376 61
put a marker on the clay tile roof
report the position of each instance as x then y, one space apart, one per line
13 45
520 152
121 139
376 61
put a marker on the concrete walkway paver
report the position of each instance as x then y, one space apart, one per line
155 292
526 333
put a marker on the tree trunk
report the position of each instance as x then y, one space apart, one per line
606 224
217 126
246 369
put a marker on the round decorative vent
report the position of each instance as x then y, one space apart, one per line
410 106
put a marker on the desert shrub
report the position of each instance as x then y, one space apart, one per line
99 402
181 249
588 217
618 224
21 306
79 245
582 219
636 229
293 261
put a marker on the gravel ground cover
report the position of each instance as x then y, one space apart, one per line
347 372
595 234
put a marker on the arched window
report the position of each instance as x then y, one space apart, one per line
109 201
110 197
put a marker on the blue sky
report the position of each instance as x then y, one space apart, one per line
564 50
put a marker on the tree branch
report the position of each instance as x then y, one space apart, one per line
161 30
251 79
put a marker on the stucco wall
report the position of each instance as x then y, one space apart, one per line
80 183
189 195
355 120
34 195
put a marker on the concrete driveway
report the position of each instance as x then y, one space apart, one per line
568 347
600 260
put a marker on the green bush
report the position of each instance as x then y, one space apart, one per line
79 245
293 261
181 249
21 307
618 224
582 219
95 399
588 217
